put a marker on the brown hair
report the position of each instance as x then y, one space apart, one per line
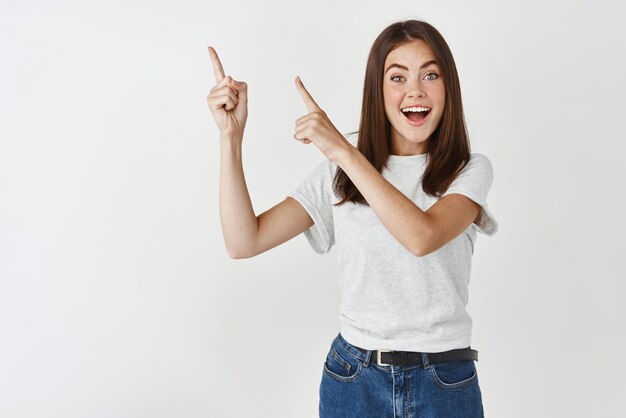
448 146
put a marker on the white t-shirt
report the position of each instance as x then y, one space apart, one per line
390 298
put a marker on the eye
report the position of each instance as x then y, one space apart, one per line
396 76
429 74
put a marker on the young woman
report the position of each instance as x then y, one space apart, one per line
403 198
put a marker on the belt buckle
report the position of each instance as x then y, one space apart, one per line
378 357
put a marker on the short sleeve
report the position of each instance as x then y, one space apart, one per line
474 181
314 194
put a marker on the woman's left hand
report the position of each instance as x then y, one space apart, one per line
317 128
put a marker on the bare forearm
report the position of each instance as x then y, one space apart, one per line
408 224
239 223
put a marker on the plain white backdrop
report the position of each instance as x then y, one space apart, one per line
117 295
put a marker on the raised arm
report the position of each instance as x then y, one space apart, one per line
245 234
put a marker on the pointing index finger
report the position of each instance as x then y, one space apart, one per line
308 99
217 65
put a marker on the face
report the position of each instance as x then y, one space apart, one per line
417 84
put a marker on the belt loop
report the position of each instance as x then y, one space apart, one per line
425 360
368 357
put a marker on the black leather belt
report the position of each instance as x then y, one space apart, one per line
402 358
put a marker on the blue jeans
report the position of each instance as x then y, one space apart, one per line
353 385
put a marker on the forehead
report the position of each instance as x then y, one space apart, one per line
414 52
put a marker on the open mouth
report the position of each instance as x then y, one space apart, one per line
417 118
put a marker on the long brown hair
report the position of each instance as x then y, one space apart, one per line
449 147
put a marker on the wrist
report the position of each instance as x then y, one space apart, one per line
345 153
230 146
231 136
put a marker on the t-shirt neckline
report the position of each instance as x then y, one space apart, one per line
408 158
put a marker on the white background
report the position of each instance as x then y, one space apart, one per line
117 295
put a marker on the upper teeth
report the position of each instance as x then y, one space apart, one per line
416 109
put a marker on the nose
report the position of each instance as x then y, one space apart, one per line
415 89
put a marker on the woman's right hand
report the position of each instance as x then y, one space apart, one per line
228 100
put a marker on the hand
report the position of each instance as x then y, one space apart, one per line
228 100
317 128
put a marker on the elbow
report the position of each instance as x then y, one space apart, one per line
428 246
233 255
425 245
420 252
238 253
237 256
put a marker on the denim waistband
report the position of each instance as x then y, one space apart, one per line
368 356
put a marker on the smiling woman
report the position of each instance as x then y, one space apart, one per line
408 197
419 95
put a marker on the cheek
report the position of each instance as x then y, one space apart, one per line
439 94
392 97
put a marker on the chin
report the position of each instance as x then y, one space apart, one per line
416 137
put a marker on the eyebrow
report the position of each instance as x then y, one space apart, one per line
402 67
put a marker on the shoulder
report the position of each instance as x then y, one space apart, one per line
478 170
479 158
479 162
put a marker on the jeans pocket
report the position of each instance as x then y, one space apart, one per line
340 365
454 374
